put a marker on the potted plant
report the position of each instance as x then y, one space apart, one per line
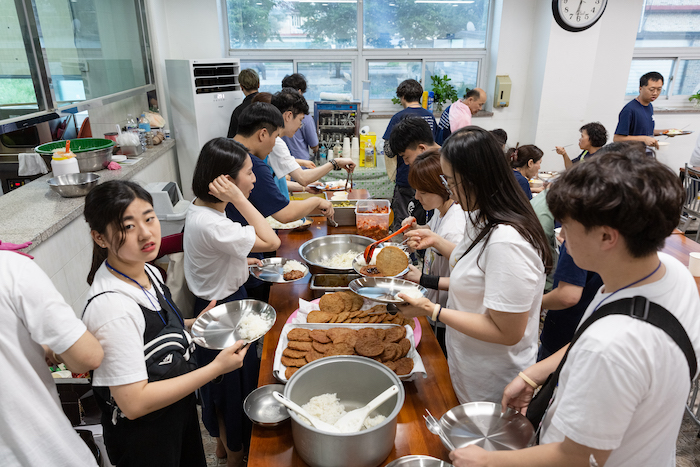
443 91
695 99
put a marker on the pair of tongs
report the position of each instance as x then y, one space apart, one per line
369 251
348 181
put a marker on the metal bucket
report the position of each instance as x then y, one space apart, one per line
356 381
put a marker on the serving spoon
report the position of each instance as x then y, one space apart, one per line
352 421
320 424
369 251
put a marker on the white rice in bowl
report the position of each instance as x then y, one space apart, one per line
327 408
293 265
252 326
339 260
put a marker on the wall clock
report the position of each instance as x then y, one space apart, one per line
578 15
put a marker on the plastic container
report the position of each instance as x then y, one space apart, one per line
372 218
64 166
131 124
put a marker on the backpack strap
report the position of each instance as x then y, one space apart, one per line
637 308
92 298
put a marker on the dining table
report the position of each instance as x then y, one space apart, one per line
274 446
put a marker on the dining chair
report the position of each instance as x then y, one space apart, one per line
691 206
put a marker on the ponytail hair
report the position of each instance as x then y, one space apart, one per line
104 207
519 156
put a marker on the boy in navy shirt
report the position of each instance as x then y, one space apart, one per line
636 120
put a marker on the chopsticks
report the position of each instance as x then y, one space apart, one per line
565 146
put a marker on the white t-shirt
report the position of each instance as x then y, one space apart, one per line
118 323
509 278
34 430
625 382
281 160
215 250
450 227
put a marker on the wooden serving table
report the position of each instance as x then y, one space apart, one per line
679 246
274 447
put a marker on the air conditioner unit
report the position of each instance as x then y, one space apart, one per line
203 94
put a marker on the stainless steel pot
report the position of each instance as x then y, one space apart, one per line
356 381
323 248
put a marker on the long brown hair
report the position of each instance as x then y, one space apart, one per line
104 207
424 174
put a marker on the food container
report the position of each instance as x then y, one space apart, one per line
74 185
356 381
344 212
302 195
323 248
323 283
371 223
92 153
131 151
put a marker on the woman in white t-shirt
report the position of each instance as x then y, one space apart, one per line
146 382
495 287
216 267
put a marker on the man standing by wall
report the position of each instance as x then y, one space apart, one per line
459 114
409 93
636 120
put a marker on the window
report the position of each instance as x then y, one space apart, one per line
668 41
89 50
336 44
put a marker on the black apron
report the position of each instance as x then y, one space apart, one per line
168 437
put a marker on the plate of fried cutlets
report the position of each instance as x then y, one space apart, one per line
391 344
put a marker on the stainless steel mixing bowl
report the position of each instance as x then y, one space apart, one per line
263 409
323 248
74 185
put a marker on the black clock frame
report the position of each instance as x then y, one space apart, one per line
560 21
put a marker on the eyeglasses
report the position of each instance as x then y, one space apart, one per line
447 185
301 125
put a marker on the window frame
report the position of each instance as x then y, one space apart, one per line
360 57
677 54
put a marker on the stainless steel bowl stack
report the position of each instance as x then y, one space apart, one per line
356 381
74 185
323 248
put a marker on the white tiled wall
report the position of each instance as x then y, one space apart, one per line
67 255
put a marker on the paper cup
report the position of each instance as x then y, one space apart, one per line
694 264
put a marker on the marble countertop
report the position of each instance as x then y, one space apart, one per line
34 212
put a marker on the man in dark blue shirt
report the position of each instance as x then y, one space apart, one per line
573 291
636 120
409 93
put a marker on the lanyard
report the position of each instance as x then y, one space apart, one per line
148 295
628 286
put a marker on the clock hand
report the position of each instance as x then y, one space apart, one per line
579 8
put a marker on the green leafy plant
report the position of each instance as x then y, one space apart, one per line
395 100
696 98
443 91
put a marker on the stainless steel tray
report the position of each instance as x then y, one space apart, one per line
322 283
272 270
385 289
218 328
482 424
418 461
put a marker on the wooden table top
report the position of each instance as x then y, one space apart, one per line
275 447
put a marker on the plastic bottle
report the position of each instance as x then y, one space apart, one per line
144 123
369 154
322 154
131 124
64 162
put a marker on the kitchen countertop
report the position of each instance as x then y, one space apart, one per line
34 212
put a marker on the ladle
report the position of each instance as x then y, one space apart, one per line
369 251
352 421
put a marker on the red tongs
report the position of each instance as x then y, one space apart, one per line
369 251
